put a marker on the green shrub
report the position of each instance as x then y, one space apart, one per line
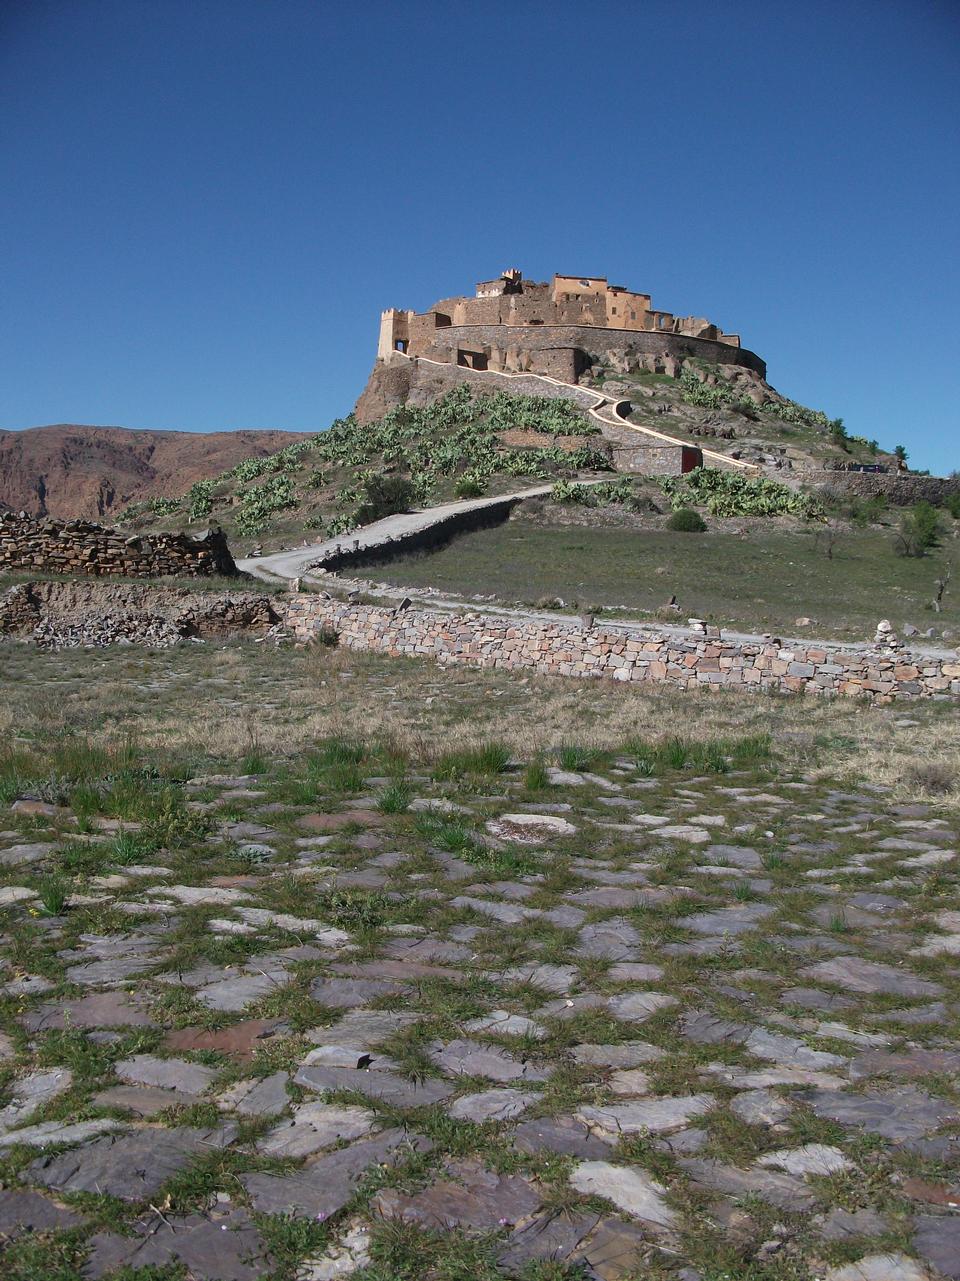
686 521
469 487
919 531
384 496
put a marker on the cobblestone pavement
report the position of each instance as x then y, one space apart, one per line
599 1016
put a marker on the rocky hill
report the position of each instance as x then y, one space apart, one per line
452 432
67 470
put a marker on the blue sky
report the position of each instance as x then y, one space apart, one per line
206 203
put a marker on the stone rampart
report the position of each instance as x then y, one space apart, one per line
901 488
593 340
689 661
77 547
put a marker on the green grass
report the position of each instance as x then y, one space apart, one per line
758 581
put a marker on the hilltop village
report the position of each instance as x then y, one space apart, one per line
519 325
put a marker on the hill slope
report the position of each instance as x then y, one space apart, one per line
69 471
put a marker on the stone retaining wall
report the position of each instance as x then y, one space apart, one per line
493 512
592 339
77 547
686 661
901 488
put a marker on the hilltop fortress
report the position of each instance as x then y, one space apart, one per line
557 328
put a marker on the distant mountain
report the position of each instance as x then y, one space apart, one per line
67 470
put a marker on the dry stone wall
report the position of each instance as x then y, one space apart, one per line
687 661
901 488
77 547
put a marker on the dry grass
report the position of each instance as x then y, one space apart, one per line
231 701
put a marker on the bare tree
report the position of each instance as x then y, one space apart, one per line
942 583
828 534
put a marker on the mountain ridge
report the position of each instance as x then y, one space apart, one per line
71 470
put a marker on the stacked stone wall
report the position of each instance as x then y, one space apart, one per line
688 661
900 488
78 547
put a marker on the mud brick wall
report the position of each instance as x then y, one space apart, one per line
77 547
688 661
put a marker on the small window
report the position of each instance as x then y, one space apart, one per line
614 310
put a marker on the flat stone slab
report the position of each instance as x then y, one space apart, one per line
133 1166
46 1134
503 1023
854 974
364 1029
491 1105
739 856
655 1114
760 1107
738 919
314 1126
32 1092
179 1075
226 1248
629 1188
387 1087
231 995
812 1158
558 979
937 1240
471 1058
471 1198
635 1007
880 1267
142 1100
548 1238
26 852
625 1054
325 1185
239 1041
341 993
264 1097
614 939
22 1212
905 1063
785 1191
905 1113
564 1135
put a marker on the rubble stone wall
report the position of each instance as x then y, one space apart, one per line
59 615
77 547
565 649
900 488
